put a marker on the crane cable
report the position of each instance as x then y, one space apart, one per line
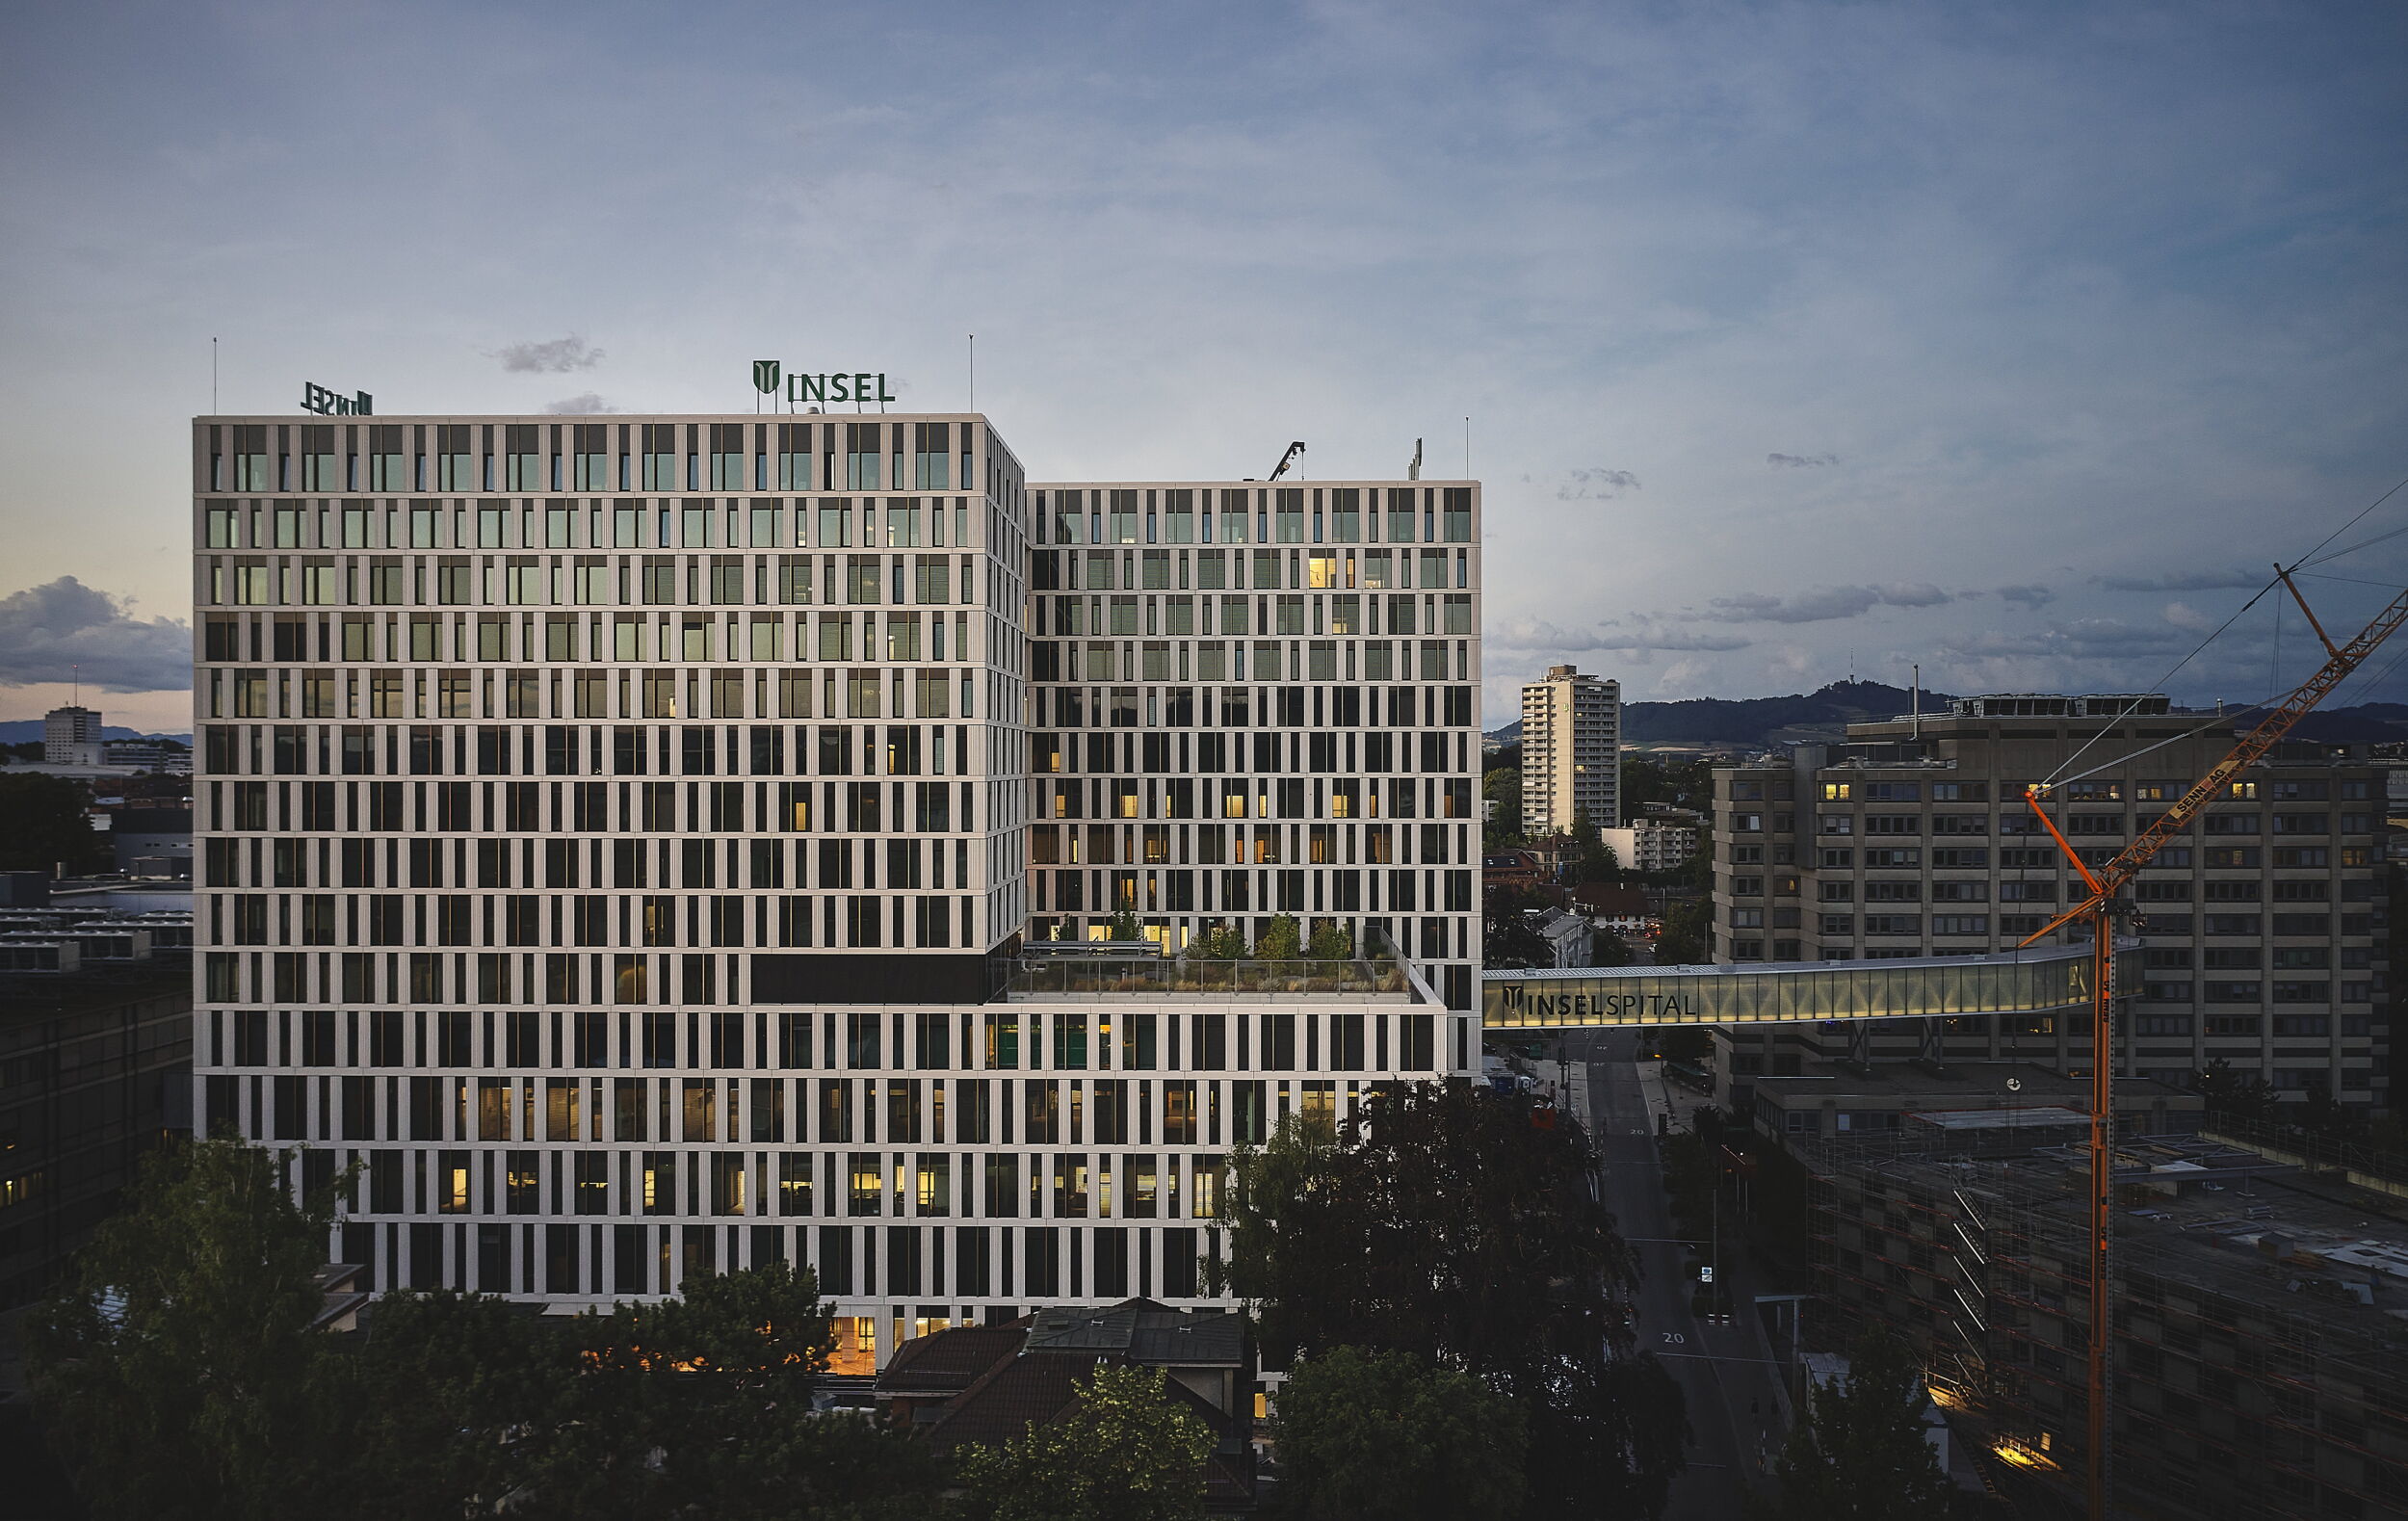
2310 557
2054 776
2375 680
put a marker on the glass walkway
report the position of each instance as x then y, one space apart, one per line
2038 981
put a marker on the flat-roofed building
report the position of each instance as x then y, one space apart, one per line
2261 930
1571 752
657 845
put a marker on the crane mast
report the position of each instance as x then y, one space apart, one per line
2099 908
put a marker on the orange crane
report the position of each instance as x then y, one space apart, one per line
2099 908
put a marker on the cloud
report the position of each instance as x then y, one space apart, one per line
2027 596
2080 638
65 631
579 405
1782 461
1595 486
551 357
1825 603
1646 634
2188 581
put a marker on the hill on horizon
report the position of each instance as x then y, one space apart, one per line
19 731
1768 720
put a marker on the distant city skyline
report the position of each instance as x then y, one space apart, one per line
1793 341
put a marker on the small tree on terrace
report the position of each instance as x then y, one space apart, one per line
1218 941
1282 939
1330 941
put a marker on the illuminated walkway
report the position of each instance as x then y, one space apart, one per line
2043 979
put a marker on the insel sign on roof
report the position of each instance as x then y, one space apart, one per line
316 398
799 388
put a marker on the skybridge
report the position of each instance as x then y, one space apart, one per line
2042 980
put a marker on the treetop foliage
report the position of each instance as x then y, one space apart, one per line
1127 1452
1439 1221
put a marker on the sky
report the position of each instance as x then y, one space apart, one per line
1794 340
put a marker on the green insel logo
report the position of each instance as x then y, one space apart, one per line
860 387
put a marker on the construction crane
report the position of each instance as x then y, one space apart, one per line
2100 909
1287 459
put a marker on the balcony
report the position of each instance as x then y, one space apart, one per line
1381 976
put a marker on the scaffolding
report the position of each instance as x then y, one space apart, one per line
2256 1373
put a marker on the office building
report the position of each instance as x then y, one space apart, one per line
70 736
2261 929
1571 752
661 845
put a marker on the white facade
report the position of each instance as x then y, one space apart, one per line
1652 847
1571 752
622 834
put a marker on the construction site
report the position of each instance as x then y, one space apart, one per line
2259 1361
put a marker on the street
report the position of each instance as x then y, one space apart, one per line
1725 1371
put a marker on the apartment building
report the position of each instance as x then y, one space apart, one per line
1571 752
659 845
71 736
2259 929
1657 843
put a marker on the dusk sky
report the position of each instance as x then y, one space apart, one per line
1796 338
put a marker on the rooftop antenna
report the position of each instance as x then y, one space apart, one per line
1915 702
1413 471
1467 449
974 372
213 377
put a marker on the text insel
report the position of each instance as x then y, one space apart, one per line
316 398
857 387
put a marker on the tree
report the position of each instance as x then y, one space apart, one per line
1385 1437
2325 1115
1440 1222
456 1398
1508 940
1592 859
698 1403
1608 949
1858 1449
176 1368
1675 784
1502 785
1126 1451
42 825
2244 1095
1330 941
183 1380
1282 939
1125 926
1218 941
1688 938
